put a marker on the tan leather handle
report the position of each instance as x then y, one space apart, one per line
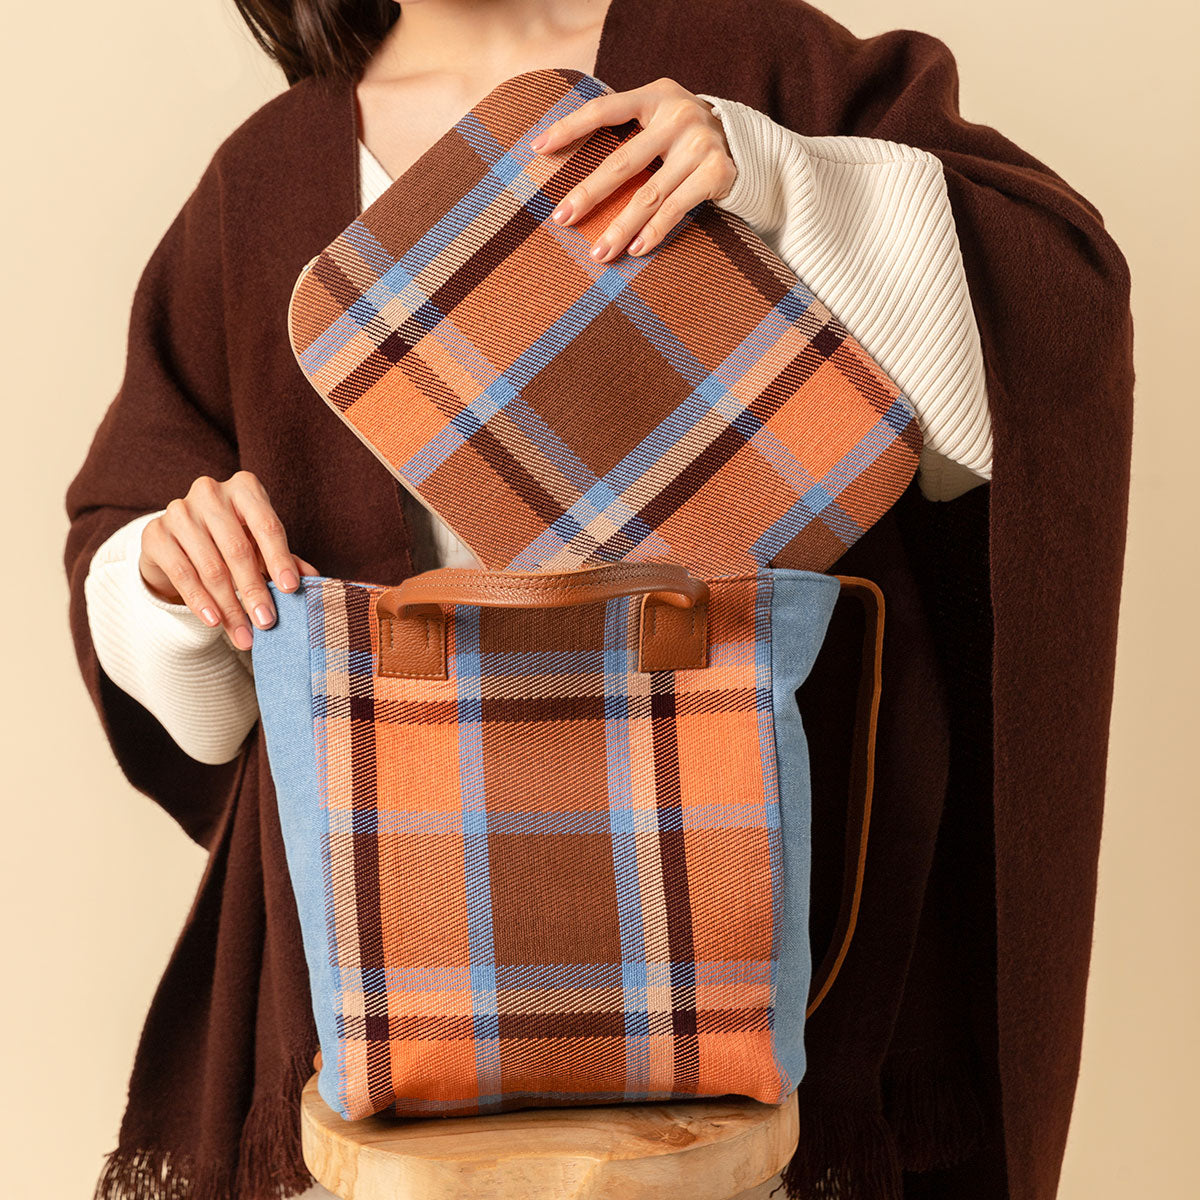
862 785
671 584
674 613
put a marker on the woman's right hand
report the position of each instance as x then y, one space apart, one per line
218 538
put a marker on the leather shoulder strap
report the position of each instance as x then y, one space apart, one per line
862 784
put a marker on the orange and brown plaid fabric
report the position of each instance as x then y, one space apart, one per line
548 878
697 405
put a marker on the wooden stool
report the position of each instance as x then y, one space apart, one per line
731 1149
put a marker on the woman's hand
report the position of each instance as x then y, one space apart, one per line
219 537
678 128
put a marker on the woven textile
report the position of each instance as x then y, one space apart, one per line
697 405
548 878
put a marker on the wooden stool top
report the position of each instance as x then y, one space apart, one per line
694 1150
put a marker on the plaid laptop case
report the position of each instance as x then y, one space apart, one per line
697 405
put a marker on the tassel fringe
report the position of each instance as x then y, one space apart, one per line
847 1155
932 1105
270 1162
931 1118
144 1174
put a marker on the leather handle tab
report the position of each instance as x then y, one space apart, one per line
862 784
674 625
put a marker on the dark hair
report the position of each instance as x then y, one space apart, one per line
319 37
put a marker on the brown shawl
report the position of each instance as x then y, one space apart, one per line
944 1061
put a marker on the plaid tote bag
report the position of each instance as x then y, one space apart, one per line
549 832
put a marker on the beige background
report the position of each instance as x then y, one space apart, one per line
113 110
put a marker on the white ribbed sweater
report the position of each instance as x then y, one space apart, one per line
865 222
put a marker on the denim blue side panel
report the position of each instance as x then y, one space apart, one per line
283 683
801 605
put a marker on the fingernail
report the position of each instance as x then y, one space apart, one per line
538 142
598 252
243 639
561 213
288 580
635 247
264 616
210 617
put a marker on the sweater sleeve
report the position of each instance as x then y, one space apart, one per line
867 224
188 674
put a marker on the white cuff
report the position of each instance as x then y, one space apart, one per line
760 154
188 675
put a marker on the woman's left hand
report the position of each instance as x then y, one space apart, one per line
678 128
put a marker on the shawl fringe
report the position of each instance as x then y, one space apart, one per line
845 1153
931 1102
270 1159
931 1119
270 1162
137 1173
